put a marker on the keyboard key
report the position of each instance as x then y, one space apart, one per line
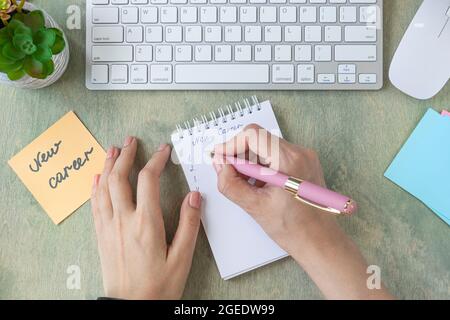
322 53
221 73
263 53
119 73
149 15
348 14
308 14
139 73
283 53
333 33
154 34
107 34
268 14
325 78
355 53
112 53
161 73
272 34
188 15
135 34
163 53
183 53
99 74
303 53
288 14
208 14
222 53
367 78
129 14
305 73
347 78
243 53
282 73
313 33
347 68
105 15
203 53
368 14
293 33
233 34
328 14
360 34
169 14
144 53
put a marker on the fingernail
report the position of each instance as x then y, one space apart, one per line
128 141
218 167
195 200
96 179
110 153
162 146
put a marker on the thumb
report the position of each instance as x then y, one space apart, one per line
237 189
183 244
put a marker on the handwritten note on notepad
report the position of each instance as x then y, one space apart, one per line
58 167
238 243
422 165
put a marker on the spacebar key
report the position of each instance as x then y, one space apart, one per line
222 73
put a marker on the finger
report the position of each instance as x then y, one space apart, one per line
148 197
118 181
231 184
102 191
183 244
254 139
94 201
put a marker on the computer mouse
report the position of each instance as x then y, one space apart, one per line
421 64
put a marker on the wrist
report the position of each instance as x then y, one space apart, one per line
316 235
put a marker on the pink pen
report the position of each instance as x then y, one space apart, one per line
304 191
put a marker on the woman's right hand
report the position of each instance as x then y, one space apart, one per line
311 236
282 216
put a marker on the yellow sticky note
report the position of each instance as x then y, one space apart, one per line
58 167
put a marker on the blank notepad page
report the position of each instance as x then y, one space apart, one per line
238 243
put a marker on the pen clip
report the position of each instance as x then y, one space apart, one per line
315 205
293 185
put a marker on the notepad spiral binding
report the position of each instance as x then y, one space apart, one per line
220 115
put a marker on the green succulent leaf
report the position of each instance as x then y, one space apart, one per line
45 37
24 43
35 20
43 53
16 75
12 53
59 45
58 32
22 29
34 68
4 36
5 60
19 16
6 68
49 67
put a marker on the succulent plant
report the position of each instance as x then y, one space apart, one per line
7 7
27 46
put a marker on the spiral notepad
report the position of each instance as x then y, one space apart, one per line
238 243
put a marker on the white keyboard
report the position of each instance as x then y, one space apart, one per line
234 44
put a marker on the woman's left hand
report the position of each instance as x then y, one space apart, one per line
137 262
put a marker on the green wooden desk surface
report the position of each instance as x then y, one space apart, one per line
357 134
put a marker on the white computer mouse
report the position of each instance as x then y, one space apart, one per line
421 65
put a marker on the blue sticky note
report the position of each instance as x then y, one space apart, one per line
422 167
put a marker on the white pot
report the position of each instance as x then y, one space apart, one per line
61 61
